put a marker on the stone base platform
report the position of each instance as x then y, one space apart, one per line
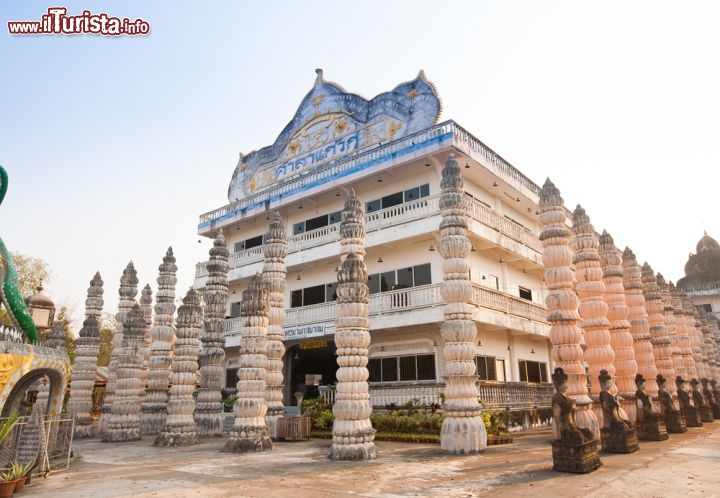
577 458
706 414
651 429
675 422
692 417
618 439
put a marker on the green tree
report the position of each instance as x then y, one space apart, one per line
107 330
65 316
31 272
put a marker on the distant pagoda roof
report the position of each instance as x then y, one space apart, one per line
703 267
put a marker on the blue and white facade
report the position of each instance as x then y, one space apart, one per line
390 150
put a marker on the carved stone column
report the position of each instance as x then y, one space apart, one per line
161 352
463 430
639 323
353 434
274 273
671 327
562 304
667 392
80 403
124 424
127 291
700 353
621 340
684 340
209 415
180 428
593 310
249 433
146 308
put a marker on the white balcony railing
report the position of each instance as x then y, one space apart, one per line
385 218
413 298
335 169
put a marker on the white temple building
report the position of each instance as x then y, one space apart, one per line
390 151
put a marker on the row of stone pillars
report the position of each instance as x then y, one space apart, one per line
137 400
637 331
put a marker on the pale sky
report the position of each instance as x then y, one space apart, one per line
115 145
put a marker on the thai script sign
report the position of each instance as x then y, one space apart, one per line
306 331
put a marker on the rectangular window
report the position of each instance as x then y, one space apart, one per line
532 371
422 274
525 293
299 228
392 200
373 206
486 367
412 194
404 278
426 367
313 295
707 307
296 298
239 246
315 223
387 281
425 190
374 283
374 369
234 310
231 378
331 292
500 369
254 242
335 217
403 368
408 369
389 369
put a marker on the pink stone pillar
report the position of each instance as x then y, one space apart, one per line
621 339
593 310
639 324
562 304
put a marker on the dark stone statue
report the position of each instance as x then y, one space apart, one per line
576 450
650 426
701 404
687 407
710 398
715 392
617 434
674 419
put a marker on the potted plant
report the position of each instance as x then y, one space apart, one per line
7 483
21 472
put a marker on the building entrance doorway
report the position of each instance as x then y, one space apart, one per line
310 364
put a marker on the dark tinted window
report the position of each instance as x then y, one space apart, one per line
387 281
253 242
314 223
373 206
422 274
296 298
313 295
392 200
389 369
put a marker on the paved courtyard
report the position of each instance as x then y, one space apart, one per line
686 465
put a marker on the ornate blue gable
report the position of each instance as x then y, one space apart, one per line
331 124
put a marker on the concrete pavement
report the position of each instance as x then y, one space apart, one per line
686 465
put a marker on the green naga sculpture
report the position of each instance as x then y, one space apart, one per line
10 290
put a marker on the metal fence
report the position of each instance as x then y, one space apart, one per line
43 442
